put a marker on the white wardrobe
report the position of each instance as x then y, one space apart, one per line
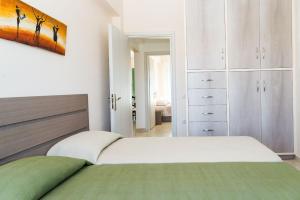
240 70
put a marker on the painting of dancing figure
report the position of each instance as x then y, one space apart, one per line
23 23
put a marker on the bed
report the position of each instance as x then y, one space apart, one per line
186 150
166 109
128 168
59 178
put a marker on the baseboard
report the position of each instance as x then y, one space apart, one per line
288 157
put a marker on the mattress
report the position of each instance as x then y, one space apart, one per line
186 150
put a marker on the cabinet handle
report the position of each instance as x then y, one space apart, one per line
208 113
207 97
263 53
208 130
257 86
257 53
265 86
223 54
208 80
112 102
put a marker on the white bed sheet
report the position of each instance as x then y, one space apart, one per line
186 150
167 110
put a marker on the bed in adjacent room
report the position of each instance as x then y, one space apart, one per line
99 165
165 108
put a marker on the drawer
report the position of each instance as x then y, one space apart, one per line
207 97
204 80
208 129
208 113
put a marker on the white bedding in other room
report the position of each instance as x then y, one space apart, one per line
167 110
186 150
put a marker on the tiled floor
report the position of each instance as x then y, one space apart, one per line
294 163
164 130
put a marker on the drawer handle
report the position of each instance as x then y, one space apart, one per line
208 113
208 130
207 97
208 80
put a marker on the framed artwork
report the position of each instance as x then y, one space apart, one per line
22 23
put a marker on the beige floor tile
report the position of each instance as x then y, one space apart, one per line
164 130
295 163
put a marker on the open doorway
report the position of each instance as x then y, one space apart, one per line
129 99
151 87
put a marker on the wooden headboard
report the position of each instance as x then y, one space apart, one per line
32 125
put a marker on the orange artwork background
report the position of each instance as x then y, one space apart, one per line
22 23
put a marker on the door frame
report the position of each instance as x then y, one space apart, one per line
171 37
147 84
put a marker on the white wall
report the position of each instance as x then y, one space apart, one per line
142 47
28 71
167 16
297 74
117 6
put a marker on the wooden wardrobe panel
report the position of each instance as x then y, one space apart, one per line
277 111
245 105
205 80
276 34
210 113
208 129
243 34
205 34
198 97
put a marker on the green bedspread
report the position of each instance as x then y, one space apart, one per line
227 181
31 178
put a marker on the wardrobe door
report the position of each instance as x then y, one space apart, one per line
276 33
205 34
277 111
243 34
245 105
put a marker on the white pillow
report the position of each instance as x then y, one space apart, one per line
86 145
161 103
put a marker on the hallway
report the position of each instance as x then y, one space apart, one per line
163 130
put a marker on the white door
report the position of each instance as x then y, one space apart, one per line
120 83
